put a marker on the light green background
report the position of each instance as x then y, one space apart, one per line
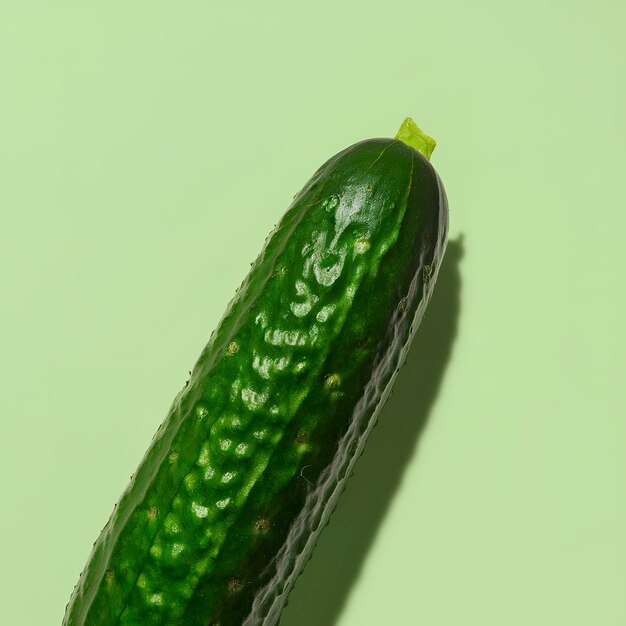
147 148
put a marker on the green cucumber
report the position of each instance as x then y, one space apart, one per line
226 506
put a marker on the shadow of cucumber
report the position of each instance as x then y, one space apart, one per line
321 591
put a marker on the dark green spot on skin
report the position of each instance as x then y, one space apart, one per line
331 203
335 396
302 436
261 526
233 348
362 245
234 585
362 343
332 381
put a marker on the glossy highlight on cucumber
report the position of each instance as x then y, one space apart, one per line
228 502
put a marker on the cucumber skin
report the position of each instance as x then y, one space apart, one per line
227 504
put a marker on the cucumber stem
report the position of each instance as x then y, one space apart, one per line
412 136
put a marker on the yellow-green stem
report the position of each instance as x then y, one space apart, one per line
411 134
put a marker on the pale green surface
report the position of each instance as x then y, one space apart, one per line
147 149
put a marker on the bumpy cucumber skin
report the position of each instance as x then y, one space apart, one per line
228 502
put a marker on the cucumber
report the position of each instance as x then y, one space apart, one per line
226 506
